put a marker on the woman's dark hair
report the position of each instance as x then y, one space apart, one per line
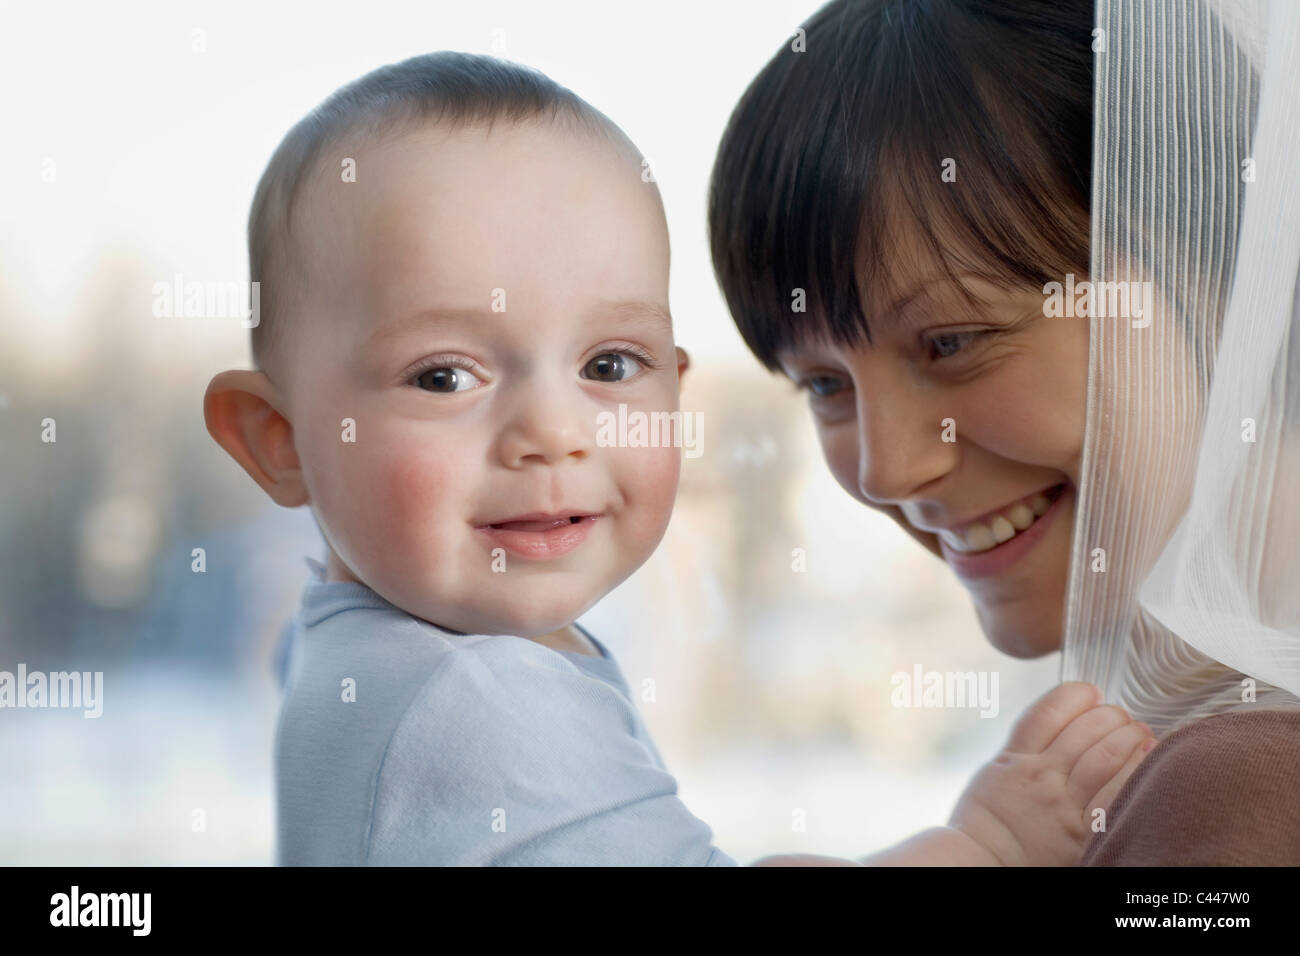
847 133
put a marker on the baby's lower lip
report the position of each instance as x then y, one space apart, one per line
540 540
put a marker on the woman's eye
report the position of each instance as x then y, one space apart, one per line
612 367
446 378
823 386
947 344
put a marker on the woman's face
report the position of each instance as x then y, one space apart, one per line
955 422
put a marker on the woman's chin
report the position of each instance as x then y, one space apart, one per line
1020 636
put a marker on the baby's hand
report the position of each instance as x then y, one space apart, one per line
1032 804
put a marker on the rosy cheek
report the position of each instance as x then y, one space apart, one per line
647 479
413 479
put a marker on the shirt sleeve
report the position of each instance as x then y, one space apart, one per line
283 654
510 756
1217 792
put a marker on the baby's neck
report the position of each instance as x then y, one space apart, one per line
569 638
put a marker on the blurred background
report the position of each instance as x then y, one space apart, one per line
135 137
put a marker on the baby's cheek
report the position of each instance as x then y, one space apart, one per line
327 460
378 497
414 487
648 479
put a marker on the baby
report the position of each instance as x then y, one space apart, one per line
461 265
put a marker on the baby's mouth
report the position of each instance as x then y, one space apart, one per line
543 524
999 528
539 536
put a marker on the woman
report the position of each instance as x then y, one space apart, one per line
904 220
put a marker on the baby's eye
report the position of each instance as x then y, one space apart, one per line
446 378
612 367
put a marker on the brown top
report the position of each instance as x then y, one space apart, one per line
1222 791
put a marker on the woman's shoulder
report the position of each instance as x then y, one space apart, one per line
1221 791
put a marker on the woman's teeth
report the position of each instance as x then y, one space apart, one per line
984 535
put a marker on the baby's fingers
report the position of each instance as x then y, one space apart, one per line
1050 714
1098 775
1106 796
1085 732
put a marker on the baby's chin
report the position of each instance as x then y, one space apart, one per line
529 599
529 612
531 626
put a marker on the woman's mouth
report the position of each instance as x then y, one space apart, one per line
998 528
998 540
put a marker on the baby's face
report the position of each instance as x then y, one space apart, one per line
478 299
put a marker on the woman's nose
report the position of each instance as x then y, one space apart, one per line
902 447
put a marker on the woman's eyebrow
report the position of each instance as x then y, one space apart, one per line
905 308
901 306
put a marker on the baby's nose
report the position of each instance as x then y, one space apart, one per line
546 432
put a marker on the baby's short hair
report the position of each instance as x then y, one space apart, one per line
458 89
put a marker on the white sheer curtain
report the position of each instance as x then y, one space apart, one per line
1184 587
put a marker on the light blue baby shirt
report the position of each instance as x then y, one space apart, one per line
463 749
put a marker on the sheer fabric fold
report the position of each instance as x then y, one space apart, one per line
1184 591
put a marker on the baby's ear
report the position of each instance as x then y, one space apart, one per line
242 411
683 363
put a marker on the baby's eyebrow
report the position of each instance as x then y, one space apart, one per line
634 310
423 317
637 310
